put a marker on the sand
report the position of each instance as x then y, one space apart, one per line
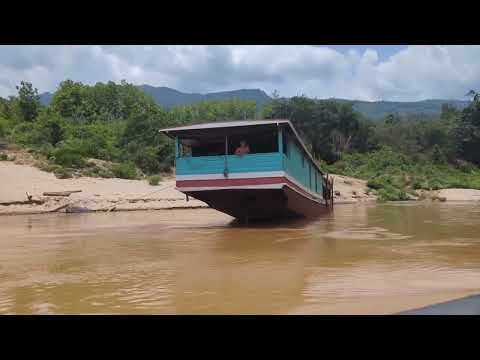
97 193
16 179
19 177
459 194
350 190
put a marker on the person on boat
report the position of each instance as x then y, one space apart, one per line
243 148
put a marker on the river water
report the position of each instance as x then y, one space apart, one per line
360 259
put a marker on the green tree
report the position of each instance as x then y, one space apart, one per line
52 127
467 132
28 101
70 101
392 119
328 127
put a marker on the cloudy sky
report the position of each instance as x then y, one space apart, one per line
403 73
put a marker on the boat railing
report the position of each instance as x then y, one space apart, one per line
217 164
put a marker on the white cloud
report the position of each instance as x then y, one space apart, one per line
414 73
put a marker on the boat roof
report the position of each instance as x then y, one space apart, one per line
214 125
172 132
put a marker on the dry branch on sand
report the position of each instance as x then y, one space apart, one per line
60 193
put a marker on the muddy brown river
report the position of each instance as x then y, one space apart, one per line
361 259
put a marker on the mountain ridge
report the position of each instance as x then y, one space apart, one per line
168 98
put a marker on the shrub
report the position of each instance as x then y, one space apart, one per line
379 182
91 170
390 193
165 167
416 183
47 149
465 166
52 128
375 183
3 127
147 160
62 173
436 184
97 171
48 167
125 171
154 180
68 157
104 173
3 157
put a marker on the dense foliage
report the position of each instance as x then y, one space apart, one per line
119 123
397 155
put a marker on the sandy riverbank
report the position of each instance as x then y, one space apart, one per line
17 179
21 177
97 194
458 194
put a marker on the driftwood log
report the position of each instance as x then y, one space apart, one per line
26 202
30 201
60 193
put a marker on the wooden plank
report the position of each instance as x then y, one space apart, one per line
60 193
25 202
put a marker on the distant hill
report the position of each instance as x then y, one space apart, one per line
45 98
378 109
169 98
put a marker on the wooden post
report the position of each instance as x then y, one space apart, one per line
280 140
176 147
332 192
225 170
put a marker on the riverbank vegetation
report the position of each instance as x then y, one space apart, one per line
116 123
397 155
111 130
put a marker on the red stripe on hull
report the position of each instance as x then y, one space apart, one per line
239 182
230 182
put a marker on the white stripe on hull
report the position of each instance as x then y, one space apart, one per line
264 186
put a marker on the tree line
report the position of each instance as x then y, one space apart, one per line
112 122
119 123
334 129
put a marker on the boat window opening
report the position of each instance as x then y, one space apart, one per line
264 141
196 147
258 142
316 182
303 161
